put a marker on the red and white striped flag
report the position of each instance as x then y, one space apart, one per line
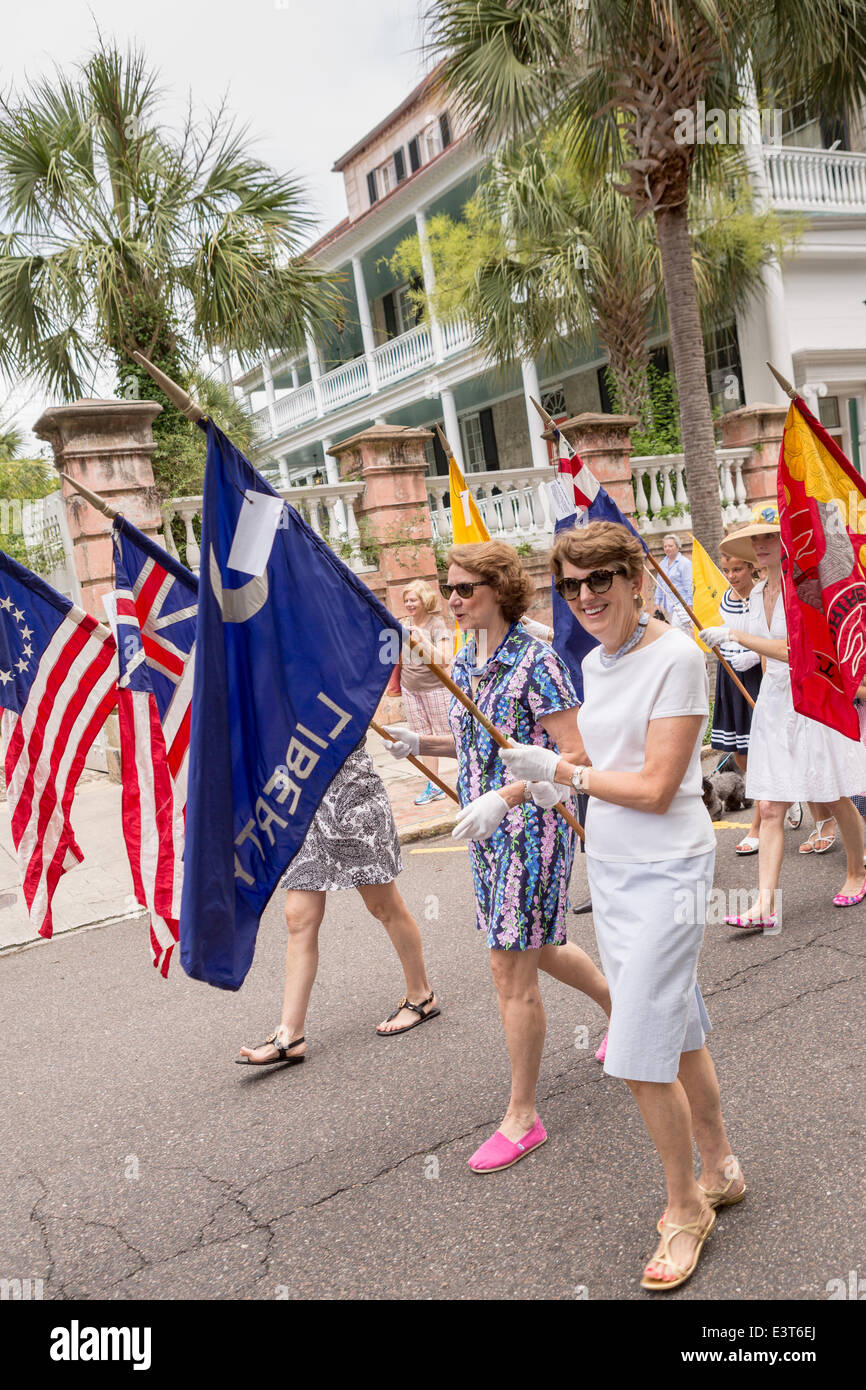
57 687
156 603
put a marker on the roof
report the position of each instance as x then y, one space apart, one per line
348 224
417 94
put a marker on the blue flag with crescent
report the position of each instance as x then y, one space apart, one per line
591 503
292 657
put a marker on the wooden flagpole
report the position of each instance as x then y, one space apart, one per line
93 497
485 723
551 424
431 776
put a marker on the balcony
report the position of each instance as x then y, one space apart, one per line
393 361
815 180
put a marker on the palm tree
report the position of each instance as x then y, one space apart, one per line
613 71
546 257
121 234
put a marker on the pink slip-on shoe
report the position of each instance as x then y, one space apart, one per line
500 1152
602 1051
770 926
850 899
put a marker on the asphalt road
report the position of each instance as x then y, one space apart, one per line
139 1162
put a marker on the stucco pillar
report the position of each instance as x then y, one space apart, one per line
107 446
394 511
366 322
604 444
759 428
452 427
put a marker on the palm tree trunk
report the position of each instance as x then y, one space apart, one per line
687 342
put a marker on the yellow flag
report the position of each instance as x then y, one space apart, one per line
463 506
465 532
708 586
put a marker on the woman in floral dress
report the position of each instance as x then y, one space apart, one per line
520 848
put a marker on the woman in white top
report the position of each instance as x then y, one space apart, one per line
650 851
791 758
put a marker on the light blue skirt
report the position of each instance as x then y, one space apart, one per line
649 924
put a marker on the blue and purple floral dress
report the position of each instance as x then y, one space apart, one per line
521 873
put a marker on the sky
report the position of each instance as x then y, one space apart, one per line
308 77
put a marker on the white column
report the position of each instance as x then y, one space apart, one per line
296 380
315 372
365 321
778 341
269 392
452 425
285 473
332 473
538 446
429 285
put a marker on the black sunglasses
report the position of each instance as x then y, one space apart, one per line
598 582
465 590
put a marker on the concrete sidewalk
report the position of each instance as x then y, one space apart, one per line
99 890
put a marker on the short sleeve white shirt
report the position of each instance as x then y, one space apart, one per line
664 679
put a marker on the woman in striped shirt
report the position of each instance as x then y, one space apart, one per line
732 713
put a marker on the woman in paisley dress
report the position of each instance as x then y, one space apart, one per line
520 848
351 843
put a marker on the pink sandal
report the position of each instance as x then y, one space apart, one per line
499 1152
602 1051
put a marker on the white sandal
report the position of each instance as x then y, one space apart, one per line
808 847
748 845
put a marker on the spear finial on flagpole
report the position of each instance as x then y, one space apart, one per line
93 497
551 424
785 385
444 442
175 393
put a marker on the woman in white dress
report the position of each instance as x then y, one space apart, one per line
650 850
791 758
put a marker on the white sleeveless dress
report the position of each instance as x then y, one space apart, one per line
791 757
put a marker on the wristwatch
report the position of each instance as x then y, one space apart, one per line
578 781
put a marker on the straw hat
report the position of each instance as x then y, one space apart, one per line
765 522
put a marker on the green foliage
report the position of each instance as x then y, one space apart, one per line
659 430
23 481
120 233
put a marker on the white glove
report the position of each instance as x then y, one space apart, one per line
545 794
714 636
406 741
743 661
536 629
479 819
528 763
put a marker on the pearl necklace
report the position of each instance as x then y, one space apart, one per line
609 659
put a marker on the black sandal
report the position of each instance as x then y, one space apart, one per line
282 1053
418 1008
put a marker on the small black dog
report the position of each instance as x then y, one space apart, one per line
724 792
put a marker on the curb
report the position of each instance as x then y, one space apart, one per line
427 830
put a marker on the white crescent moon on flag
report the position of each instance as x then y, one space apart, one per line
238 605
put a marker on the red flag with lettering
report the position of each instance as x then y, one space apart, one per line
822 512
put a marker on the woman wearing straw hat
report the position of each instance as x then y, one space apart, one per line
791 758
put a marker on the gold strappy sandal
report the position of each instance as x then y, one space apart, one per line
669 1230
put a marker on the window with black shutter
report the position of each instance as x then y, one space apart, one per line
439 454
390 315
399 165
488 435
414 154
445 129
371 187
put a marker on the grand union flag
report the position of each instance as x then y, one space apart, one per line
822 511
